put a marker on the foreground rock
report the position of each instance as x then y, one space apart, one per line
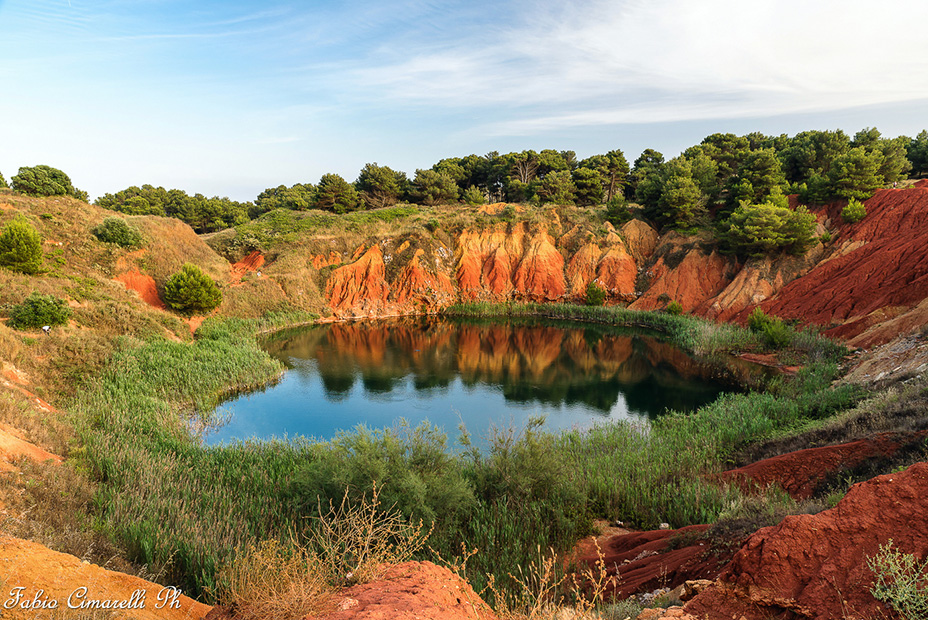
38 583
412 590
815 566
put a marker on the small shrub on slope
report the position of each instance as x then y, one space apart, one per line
21 247
854 211
117 231
190 291
39 310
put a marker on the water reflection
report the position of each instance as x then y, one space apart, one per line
475 371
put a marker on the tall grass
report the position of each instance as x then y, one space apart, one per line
170 499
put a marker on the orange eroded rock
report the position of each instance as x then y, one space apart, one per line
47 575
250 263
360 285
13 446
815 566
321 260
410 591
144 285
540 274
640 239
697 278
581 269
617 272
417 284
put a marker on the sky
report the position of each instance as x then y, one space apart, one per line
229 97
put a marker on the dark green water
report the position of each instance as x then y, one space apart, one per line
480 373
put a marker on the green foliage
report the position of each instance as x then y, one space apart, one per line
190 291
617 212
856 174
674 307
756 230
297 197
335 194
380 186
39 310
825 237
3 184
917 152
556 187
777 335
588 186
21 247
854 211
473 196
117 231
595 294
45 181
901 581
431 188
199 212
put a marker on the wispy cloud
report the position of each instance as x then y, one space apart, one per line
594 62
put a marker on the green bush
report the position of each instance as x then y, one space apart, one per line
473 196
39 310
854 211
190 291
21 247
45 181
3 184
117 231
777 334
756 230
901 581
825 237
674 307
595 294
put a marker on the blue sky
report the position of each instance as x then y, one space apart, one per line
228 98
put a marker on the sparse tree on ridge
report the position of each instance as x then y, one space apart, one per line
335 194
431 188
380 186
45 181
917 152
3 184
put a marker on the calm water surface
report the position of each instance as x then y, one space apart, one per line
480 373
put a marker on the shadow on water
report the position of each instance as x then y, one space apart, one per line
479 372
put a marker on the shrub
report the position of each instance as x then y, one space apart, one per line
595 294
674 307
825 237
190 291
756 230
777 334
45 181
854 211
617 212
21 247
901 581
39 310
3 184
473 196
117 231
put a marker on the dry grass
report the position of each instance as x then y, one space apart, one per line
350 543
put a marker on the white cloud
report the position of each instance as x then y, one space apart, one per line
602 61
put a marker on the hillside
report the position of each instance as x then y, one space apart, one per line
867 286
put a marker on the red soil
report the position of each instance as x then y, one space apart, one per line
410 591
250 263
144 285
644 561
800 472
815 566
889 269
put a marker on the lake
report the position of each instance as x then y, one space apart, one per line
482 373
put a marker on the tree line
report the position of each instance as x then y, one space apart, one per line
708 181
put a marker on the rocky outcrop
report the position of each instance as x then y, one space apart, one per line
815 566
360 286
879 271
409 591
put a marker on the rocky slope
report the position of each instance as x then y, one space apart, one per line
868 285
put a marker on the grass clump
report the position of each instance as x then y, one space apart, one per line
901 581
117 231
39 310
